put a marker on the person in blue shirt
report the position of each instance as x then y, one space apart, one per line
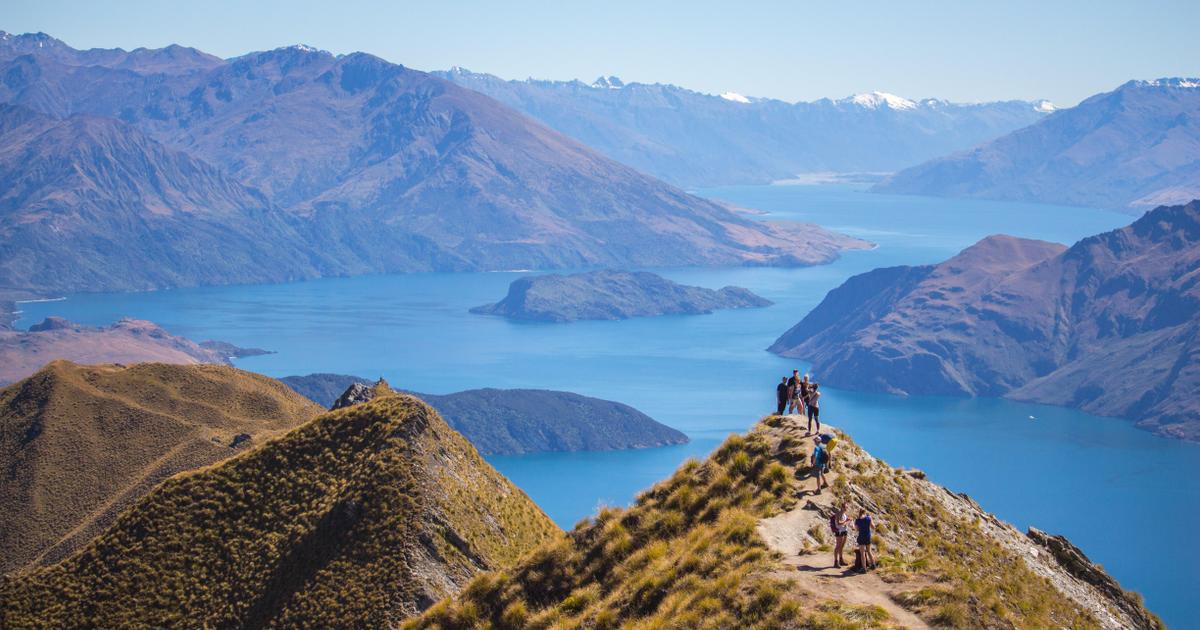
820 457
863 524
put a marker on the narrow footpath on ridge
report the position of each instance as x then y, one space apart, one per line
811 565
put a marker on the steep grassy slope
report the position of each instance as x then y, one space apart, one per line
78 444
697 551
360 518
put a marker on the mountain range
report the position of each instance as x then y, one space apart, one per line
294 163
1130 149
1110 325
693 139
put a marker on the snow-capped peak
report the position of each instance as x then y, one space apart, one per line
611 82
1044 106
1174 82
735 97
875 100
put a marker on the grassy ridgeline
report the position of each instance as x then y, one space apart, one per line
690 554
359 518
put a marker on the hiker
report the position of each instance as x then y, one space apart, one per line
814 407
805 389
839 522
781 396
863 558
820 457
793 391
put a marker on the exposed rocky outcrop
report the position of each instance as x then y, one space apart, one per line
128 341
612 295
1130 149
512 421
1077 564
1109 325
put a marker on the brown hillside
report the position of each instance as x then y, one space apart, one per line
358 519
81 443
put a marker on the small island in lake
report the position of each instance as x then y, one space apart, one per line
612 295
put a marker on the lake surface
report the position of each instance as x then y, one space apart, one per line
1121 494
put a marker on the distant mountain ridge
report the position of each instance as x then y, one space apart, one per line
514 421
1110 325
341 164
1131 149
695 139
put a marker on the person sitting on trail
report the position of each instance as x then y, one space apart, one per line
863 558
814 407
820 457
794 393
781 396
839 522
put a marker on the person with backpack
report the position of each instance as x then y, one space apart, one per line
820 459
814 407
781 396
839 523
863 558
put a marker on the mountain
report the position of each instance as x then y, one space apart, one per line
128 341
359 518
1110 325
740 541
1130 149
80 444
693 139
513 421
76 193
608 294
346 164
169 60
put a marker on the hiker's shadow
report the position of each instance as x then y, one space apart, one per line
842 572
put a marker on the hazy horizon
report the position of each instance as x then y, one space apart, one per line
766 49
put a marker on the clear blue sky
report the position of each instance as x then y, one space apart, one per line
961 50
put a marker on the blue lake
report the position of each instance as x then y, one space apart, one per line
1121 494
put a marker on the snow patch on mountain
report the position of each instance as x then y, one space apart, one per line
735 97
875 100
1044 106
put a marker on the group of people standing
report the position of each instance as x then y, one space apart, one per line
840 522
799 395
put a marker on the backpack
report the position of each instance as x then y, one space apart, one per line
833 523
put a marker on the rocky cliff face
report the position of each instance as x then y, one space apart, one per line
612 295
380 168
80 444
740 541
1130 149
359 518
1108 325
512 421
